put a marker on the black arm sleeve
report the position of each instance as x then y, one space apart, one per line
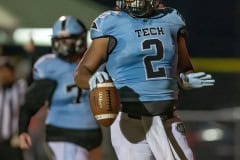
37 94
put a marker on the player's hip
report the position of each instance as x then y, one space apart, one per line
163 108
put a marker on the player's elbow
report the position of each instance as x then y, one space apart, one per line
77 79
80 79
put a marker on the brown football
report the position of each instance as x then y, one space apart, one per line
105 103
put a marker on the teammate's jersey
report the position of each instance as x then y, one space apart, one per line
143 64
69 107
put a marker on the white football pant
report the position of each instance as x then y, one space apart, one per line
68 151
148 138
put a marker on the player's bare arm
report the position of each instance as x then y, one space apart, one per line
93 58
184 62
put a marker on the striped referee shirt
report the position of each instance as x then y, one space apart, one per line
11 99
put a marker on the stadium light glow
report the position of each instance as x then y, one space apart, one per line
40 36
213 134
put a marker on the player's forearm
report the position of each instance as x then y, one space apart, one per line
94 57
82 76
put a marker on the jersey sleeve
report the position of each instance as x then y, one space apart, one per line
102 25
41 68
177 23
38 71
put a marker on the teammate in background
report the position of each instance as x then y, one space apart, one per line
145 54
71 130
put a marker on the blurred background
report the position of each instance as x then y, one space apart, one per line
212 115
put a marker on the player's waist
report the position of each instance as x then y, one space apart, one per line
87 138
147 88
163 108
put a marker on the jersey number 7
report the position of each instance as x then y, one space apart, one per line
69 89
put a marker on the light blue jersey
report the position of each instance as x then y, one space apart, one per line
143 64
69 106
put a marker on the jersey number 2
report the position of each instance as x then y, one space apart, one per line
151 72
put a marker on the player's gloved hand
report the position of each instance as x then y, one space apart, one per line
99 77
196 80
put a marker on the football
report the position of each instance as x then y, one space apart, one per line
105 103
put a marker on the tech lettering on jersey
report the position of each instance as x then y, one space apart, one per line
152 31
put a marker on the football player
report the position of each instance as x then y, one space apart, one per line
71 130
143 46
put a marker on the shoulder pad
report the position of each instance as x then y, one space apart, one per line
173 16
102 23
177 14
